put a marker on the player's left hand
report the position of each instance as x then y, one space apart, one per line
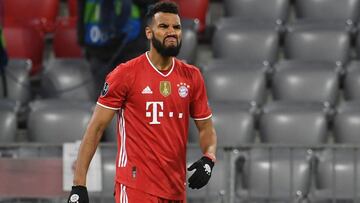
78 194
202 174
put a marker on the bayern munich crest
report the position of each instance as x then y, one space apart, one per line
183 89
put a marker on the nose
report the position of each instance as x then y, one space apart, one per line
171 31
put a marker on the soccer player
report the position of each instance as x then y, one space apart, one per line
153 95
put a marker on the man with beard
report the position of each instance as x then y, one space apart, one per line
153 95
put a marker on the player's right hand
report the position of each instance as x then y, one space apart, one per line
78 194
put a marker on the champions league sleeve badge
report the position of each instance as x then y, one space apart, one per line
105 89
183 89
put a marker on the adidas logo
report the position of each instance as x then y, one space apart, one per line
147 90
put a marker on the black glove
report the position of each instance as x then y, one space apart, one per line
78 194
202 174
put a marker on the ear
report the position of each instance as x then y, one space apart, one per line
148 33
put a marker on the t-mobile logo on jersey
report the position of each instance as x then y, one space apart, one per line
157 112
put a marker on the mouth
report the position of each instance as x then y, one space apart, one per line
171 39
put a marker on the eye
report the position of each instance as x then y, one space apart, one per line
163 26
177 27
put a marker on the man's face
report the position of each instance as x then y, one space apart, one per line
165 33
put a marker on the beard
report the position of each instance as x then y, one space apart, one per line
164 50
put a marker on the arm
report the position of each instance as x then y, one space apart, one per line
98 123
205 164
207 136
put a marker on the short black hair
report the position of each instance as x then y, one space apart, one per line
162 6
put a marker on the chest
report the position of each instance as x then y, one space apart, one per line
154 92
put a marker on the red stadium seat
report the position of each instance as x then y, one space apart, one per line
65 39
72 6
39 13
25 42
194 9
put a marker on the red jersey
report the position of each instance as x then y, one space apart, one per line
153 115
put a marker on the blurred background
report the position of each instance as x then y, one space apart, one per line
283 80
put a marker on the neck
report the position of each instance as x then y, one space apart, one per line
160 62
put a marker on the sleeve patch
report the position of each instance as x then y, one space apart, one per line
105 89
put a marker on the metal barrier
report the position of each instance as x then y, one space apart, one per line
31 172
331 171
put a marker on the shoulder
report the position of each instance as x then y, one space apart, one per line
188 68
127 69
184 65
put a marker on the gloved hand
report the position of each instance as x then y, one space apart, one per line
202 174
78 194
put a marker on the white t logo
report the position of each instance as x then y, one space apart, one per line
155 113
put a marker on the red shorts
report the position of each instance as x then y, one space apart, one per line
125 194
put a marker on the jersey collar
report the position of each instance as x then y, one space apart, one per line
152 65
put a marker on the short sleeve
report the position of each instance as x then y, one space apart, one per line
199 106
115 89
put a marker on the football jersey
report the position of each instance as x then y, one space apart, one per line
153 116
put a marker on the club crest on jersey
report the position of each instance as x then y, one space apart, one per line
165 88
183 89
105 89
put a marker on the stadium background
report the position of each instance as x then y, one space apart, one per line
283 79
